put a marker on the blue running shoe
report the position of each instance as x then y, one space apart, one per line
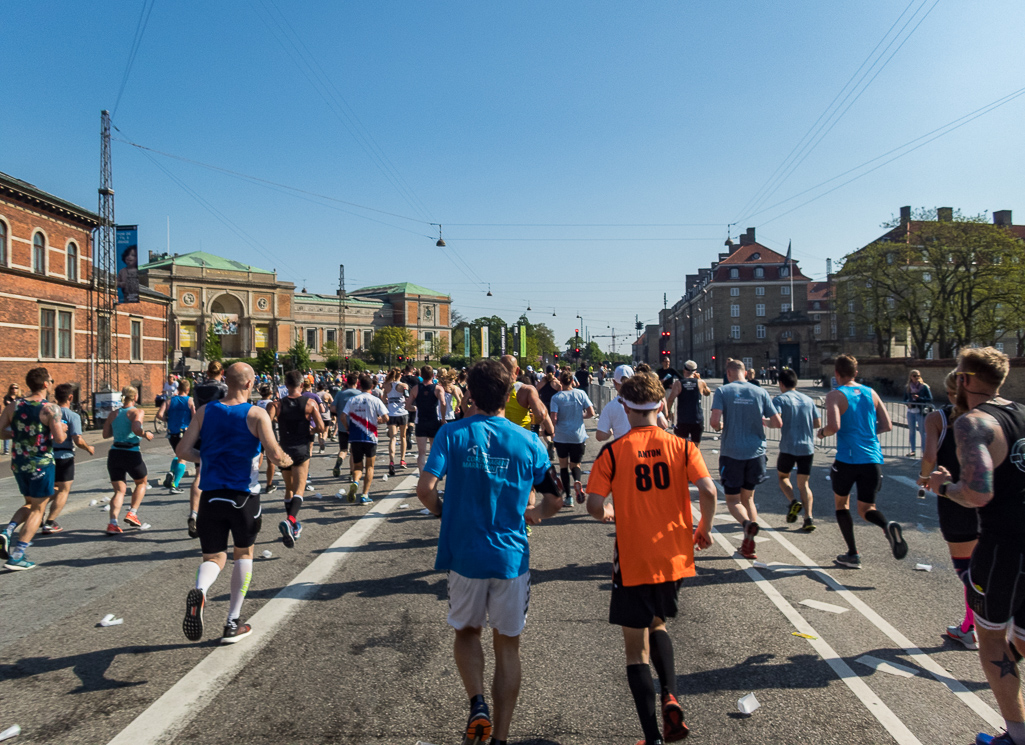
365 499
983 739
18 565
297 530
287 536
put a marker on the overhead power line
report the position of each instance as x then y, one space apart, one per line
140 29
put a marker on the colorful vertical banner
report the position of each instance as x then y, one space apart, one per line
466 341
502 345
523 341
127 249
485 346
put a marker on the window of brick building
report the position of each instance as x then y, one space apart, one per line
784 308
734 332
760 331
760 309
72 271
784 290
759 291
311 339
350 338
47 332
734 311
734 273
136 341
759 272
65 334
368 337
3 243
39 253
734 292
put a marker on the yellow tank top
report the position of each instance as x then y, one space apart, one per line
514 411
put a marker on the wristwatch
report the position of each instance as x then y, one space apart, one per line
943 488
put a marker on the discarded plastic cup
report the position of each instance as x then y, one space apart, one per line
15 730
923 567
93 503
145 526
107 618
385 477
266 554
106 508
921 492
403 506
748 704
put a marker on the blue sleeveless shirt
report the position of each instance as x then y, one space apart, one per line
178 414
857 442
228 449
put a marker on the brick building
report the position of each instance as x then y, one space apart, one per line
741 306
47 302
426 313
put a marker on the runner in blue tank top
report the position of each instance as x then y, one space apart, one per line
856 414
233 431
178 413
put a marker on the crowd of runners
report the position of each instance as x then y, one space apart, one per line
499 449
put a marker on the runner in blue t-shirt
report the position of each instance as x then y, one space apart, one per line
490 465
796 445
569 408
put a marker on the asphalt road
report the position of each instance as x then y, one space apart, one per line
351 644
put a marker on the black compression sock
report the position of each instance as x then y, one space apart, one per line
575 471
663 659
876 518
643 689
846 524
564 475
292 506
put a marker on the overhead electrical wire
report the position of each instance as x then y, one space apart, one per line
140 29
808 140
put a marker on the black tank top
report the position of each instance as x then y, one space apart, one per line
688 403
1004 516
426 404
546 394
946 453
293 426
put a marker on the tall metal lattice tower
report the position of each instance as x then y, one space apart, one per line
105 273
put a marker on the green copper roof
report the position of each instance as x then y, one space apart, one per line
399 287
310 297
200 259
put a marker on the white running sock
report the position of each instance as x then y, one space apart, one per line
207 575
241 574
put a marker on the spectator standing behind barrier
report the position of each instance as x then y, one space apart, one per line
918 398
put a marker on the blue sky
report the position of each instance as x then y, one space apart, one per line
582 156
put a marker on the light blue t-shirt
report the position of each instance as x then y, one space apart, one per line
66 449
798 413
490 465
570 406
743 405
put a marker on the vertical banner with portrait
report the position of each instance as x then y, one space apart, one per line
485 345
127 249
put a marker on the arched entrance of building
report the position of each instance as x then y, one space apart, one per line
227 316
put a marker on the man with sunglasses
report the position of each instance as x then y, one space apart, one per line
856 414
991 450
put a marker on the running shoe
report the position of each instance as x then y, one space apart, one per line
192 624
747 546
895 535
271 488
983 739
168 480
351 494
580 492
365 499
132 519
402 464
5 544
391 469
478 726
235 631
175 490
567 502
968 638
645 742
51 527
852 561
114 529
322 447
673 727
287 536
795 508
297 530
912 454
337 470
309 487
809 525
193 533
19 565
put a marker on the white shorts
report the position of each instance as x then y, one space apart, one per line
501 602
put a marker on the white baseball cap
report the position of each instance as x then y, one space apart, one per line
690 365
622 373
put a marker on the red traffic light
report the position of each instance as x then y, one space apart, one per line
665 333
576 332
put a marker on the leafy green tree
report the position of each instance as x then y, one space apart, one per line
212 345
392 341
264 362
329 349
299 356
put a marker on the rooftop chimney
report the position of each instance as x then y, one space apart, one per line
905 215
945 214
1002 217
747 238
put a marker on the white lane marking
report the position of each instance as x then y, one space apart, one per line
923 660
955 686
827 607
886 667
172 712
883 714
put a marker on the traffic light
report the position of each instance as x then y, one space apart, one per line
401 358
639 326
576 353
663 343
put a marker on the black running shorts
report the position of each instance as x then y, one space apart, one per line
957 524
122 463
64 469
690 432
299 455
867 476
636 607
175 439
785 463
428 429
996 583
343 440
572 450
361 450
737 475
226 511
